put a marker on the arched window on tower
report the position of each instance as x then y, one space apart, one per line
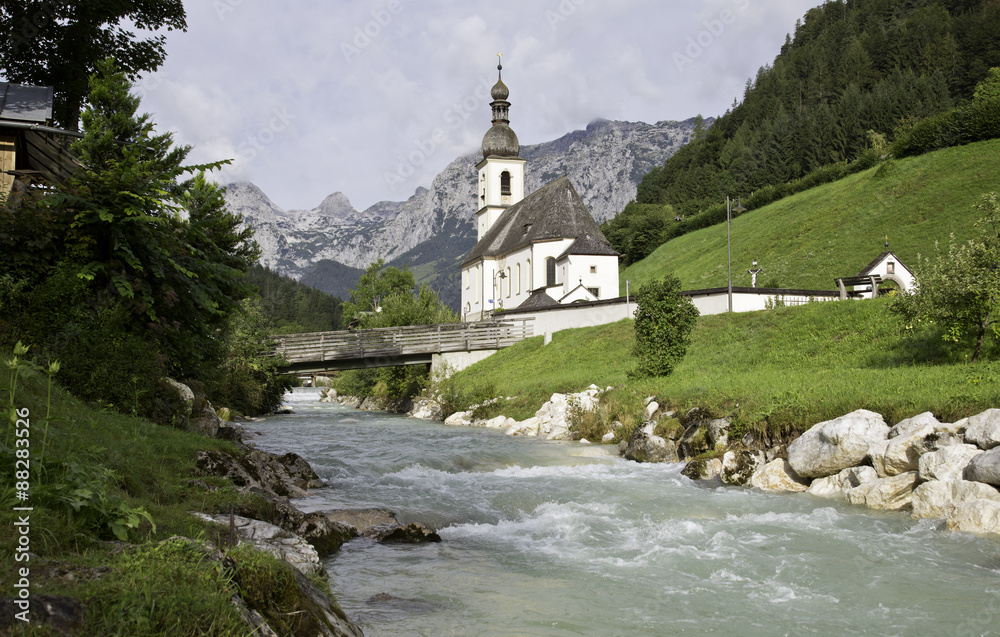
505 183
550 272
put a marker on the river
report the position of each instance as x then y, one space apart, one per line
557 538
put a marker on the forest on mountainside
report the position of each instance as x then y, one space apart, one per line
850 68
292 307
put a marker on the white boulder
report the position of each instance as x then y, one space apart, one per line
459 419
834 445
981 517
426 409
778 475
835 487
184 392
891 494
267 537
527 427
938 498
984 467
902 453
947 463
500 422
916 422
983 429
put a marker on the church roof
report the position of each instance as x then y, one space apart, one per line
590 246
552 212
538 300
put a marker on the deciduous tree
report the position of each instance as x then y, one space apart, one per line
59 43
960 290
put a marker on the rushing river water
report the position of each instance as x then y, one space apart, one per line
556 538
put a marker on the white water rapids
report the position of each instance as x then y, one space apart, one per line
557 538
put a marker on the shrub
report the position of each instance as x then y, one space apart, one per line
663 322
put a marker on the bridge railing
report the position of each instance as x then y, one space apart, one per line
399 341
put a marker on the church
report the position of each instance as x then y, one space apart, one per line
535 251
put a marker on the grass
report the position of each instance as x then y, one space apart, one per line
99 469
774 371
807 240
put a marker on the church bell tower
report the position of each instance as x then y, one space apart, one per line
501 171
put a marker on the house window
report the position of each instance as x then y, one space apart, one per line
595 291
550 272
505 183
890 268
593 269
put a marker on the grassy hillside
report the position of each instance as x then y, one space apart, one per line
100 471
835 230
775 370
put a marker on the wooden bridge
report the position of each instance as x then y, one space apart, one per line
391 346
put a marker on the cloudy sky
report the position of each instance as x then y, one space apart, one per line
373 98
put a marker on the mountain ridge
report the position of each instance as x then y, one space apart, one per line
606 161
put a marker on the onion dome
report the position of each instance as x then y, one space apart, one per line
500 140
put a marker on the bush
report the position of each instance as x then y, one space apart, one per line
664 319
974 122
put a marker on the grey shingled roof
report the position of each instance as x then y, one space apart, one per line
25 103
552 212
589 245
538 300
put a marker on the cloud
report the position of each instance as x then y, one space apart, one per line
368 88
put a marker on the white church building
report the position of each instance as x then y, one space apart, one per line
536 251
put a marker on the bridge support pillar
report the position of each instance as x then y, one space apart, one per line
445 364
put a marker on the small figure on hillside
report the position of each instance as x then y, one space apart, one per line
753 273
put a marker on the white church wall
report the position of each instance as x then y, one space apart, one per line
592 271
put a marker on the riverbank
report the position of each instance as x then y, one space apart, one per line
112 525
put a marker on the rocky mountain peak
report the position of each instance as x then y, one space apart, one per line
436 226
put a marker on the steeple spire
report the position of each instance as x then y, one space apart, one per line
500 140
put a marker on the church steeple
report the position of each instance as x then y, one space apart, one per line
500 140
501 171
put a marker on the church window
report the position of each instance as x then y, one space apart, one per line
465 279
531 276
518 278
593 269
510 283
505 183
595 291
550 272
